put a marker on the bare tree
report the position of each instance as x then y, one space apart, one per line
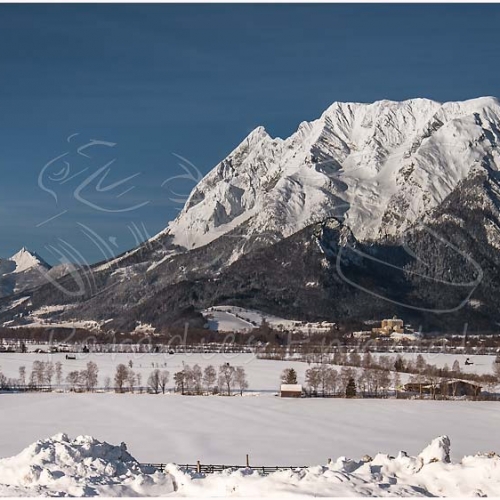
4 383
384 381
188 378
362 382
179 379
154 381
163 380
370 381
385 363
313 378
59 373
107 383
197 376
240 379
22 375
367 360
90 376
434 382
226 376
121 375
131 379
330 380
49 372
354 359
209 377
396 382
38 373
73 379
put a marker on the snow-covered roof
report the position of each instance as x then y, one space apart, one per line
291 387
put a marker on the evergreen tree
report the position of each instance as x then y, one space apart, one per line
350 391
399 364
289 376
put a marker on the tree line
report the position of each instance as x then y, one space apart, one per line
368 376
190 380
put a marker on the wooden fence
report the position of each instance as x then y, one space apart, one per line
210 469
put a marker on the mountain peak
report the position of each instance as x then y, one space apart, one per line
25 260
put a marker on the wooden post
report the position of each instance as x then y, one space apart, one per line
198 467
248 461
329 461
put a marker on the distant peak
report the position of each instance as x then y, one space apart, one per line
25 260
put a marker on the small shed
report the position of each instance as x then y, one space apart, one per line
291 390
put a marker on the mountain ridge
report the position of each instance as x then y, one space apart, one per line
350 162
413 187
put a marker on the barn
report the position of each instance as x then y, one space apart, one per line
291 390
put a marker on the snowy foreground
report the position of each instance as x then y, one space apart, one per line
85 466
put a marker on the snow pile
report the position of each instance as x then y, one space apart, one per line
84 466
87 467
429 474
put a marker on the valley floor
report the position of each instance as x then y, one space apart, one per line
272 430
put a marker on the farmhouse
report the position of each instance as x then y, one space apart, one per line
291 390
446 388
460 388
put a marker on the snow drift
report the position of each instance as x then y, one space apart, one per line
87 467
84 466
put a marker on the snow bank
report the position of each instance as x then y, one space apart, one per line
428 474
84 466
87 467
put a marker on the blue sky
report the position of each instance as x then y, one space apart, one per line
151 81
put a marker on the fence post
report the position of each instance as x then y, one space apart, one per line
248 461
198 467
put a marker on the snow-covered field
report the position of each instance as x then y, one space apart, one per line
272 430
213 429
238 319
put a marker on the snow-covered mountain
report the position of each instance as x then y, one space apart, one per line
25 260
378 167
388 208
23 270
